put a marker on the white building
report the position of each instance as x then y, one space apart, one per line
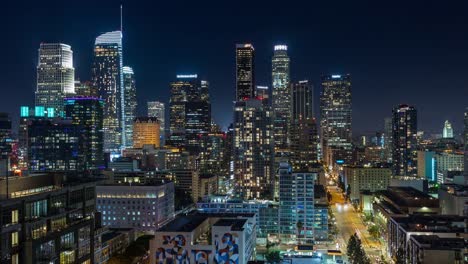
448 130
198 238
158 109
140 206
362 178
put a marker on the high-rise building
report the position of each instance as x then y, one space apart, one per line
448 130
336 117
53 145
108 79
190 110
146 132
85 89
303 127
245 72
404 151
296 205
158 109
130 104
5 135
465 139
388 139
253 149
86 112
55 75
281 96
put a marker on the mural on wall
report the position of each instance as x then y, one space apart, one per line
227 250
201 256
175 254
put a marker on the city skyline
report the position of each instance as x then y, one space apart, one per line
313 51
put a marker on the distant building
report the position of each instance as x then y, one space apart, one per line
108 79
453 199
366 178
5 136
404 140
158 109
281 96
131 205
85 89
203 185
388 138
245 72
336 119
47 219
130 104
221 238
55 76
303 127
448 130
146 132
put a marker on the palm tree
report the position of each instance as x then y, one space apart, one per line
299 226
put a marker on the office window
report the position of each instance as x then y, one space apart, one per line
14 239
14 216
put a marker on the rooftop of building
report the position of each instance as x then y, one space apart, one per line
135 184
408 196
225 215
374 165
440 243
432 223
319 191
455 189
235 224
109 236
186 223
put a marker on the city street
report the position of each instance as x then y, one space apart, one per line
348 222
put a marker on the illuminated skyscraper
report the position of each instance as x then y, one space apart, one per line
303 128
55 75
85 89
253 149
335 109
448 130
158 110
281 96
108 79
388 139
405 127
130 104
245 72
86 113
190 110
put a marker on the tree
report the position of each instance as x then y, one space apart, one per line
273 257
355 252
374 231
299 226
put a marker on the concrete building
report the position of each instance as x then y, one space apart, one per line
131 205
197 238
366 178
432 249
453 199
405 125
146 132
47 218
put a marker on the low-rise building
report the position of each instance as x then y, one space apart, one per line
131 205
432 249
366 178
202 238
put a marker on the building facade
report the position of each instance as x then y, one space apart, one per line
253 149
404 153
281 96
448 130
87 113
55 76
107 74
146 132
336 119
130 104
158 109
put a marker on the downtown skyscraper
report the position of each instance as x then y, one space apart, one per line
245 68
190 111
108 79
281 96
158 109
130 104
303 127
405 128
55 75
336 117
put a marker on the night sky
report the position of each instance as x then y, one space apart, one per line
413 52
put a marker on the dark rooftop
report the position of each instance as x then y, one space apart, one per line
410 197
319 191
440 243
432 223
109 235
235 224
185 223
